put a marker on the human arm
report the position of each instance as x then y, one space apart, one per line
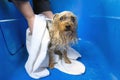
26 9
39 6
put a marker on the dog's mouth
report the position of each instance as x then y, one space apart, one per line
69 29
69 32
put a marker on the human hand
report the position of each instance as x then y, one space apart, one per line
48 14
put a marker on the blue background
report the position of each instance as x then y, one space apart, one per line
98 27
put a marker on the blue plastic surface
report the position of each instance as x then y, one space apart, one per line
98 27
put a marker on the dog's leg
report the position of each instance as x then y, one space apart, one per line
65 57
51 58
58 53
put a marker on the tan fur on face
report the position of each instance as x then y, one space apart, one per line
62 33
66 20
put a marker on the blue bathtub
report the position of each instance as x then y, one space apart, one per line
98 28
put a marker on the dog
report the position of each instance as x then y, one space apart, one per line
62 30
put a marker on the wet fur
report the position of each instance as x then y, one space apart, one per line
60 38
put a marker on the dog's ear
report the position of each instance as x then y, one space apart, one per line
55 16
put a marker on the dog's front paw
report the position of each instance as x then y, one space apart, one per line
67 61
51 65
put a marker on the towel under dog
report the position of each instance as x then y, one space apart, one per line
38 60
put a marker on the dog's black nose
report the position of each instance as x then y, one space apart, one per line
68 27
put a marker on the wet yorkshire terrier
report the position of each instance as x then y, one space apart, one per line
62 30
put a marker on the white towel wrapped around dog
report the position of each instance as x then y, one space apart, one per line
38 60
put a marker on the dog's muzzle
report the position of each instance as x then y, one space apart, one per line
68 28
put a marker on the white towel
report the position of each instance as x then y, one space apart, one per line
38 60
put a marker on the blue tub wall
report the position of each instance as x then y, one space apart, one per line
98 27
105 30
12 40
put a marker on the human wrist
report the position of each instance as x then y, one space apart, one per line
30 21
29 18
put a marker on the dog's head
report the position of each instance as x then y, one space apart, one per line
65 22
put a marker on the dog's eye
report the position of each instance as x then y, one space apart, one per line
73 19
61 18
